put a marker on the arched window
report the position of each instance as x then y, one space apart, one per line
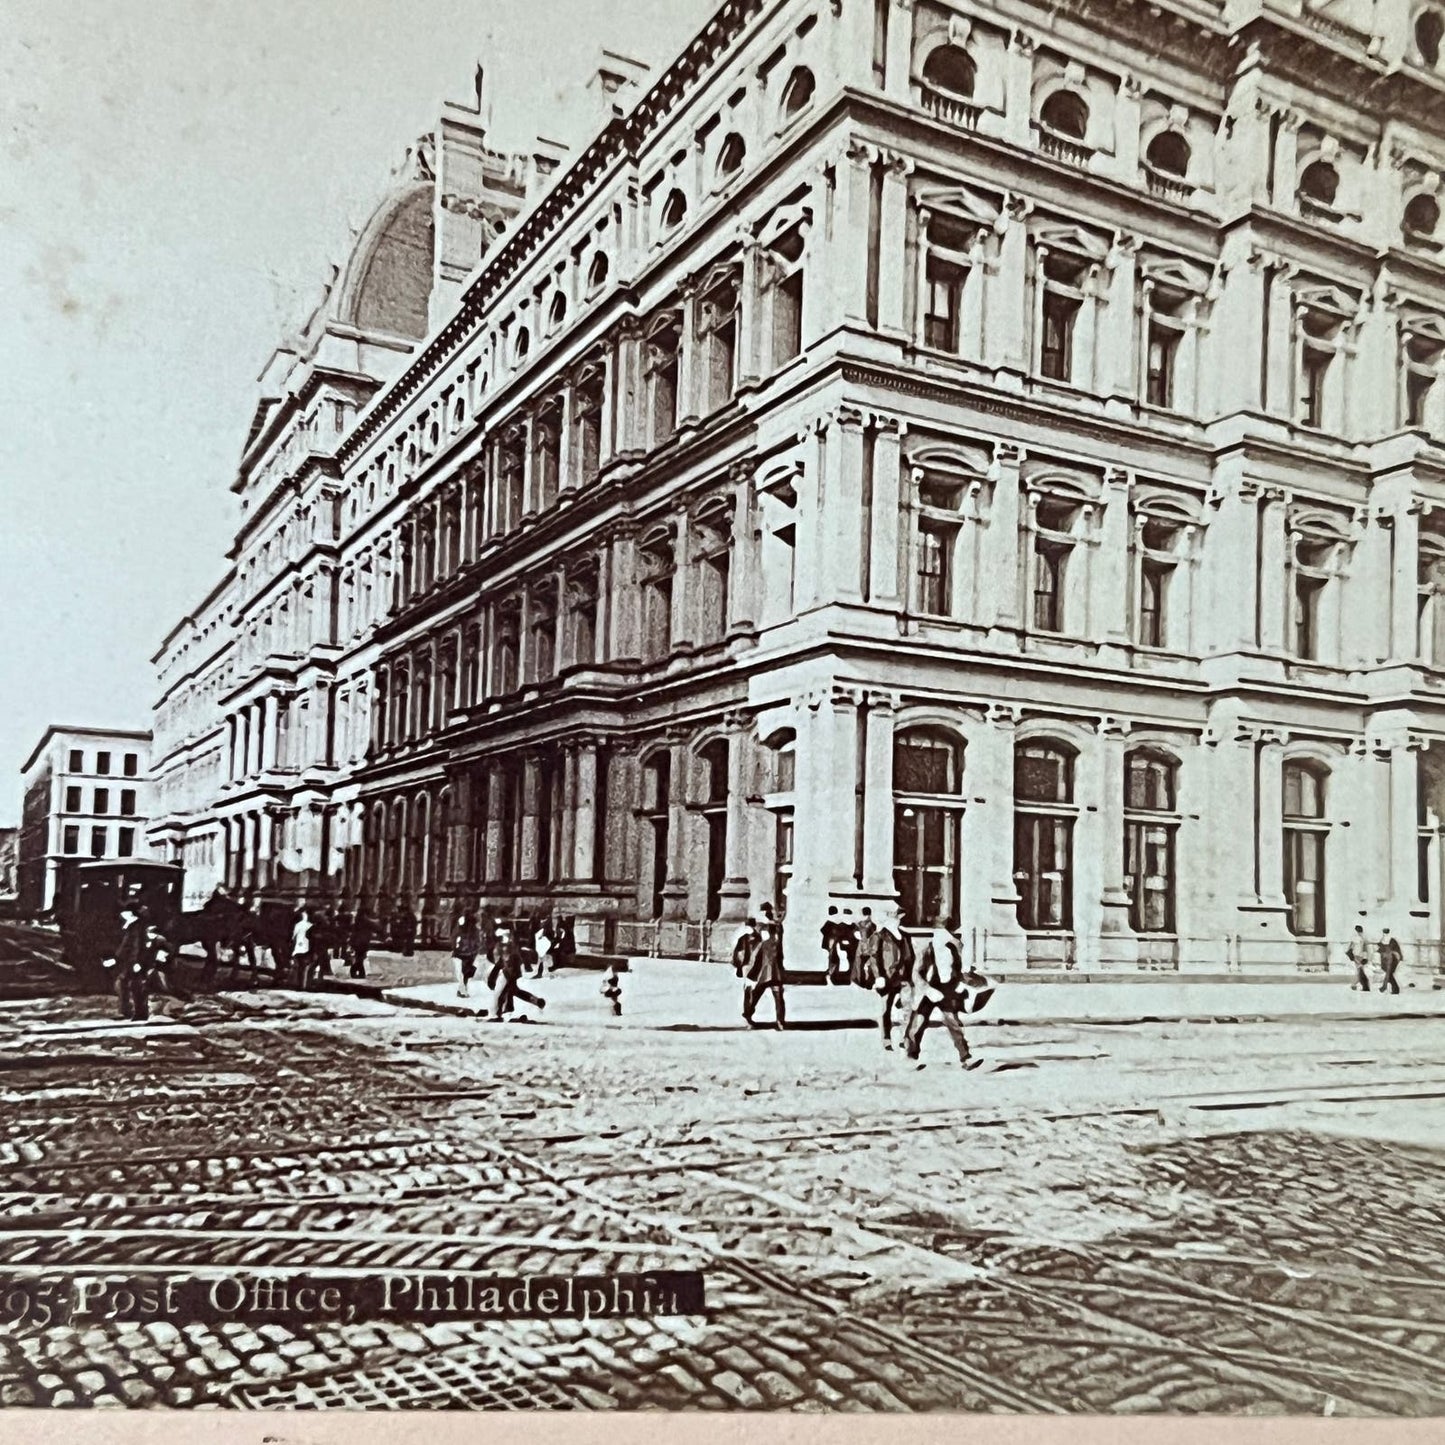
950 70
521 346
1065 114
1429 32
1306 832
927 814
1044 816
597 272
557 314
1168 153
798 92
674 208
730 157
1151 821
1319 183
1422 216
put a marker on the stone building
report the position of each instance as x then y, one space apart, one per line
87 794
984 458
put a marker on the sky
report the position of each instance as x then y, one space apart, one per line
176 179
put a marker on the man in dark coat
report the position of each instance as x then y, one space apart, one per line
1391 957
363 931
765 975
942 982
403 929
504 978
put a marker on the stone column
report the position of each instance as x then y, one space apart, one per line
1109 587
1405 582
1274 573
1000 552
1018 89
683 584
566 844
886 518
1006 300
736 890
1118 326
1116 938
495 824
266 848
989 902
1270 814
621 600
892 245
899 51
675 887
1404 836
584 827
878 797
528 864
744 579
841 519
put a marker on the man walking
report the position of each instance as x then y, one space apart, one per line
892 963
939 984
765 975
303 960
1358 954
505 978
742 960
1391 958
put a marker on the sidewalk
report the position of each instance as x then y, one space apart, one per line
680 995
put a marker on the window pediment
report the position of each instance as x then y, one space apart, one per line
1327 298
950 458
1072 239
1174 274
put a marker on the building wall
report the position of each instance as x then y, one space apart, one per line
87 795
920 454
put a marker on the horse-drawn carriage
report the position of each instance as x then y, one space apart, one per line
88 902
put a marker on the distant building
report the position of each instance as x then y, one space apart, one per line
9 844
87 795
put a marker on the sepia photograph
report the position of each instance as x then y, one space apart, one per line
723 706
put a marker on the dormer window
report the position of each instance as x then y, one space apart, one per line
1065 114
798 92
1422 217
1168 155
730 157
1429 32
951 71
674 209
1319 183
1424 355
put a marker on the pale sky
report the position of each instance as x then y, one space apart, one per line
176 176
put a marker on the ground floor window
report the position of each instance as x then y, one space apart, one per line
1044 871
785 859
1149 876
1304 881
925 863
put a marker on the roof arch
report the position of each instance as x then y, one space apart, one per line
388 281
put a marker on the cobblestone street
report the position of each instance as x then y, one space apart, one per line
1185 1217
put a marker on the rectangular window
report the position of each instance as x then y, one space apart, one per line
941 321
1314 369
1153 589
125 846
1060 314
1049 562
1304 881
97 842
1417 392
657 617
132 765
1149 876
720 342
787 318
70 842
72 800
934 589
925 867
127 803
77 761
102 800
1043 871
1163 344
102 764
1308 593
662 378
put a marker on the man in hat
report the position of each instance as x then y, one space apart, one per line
765 975
1391 958
942 983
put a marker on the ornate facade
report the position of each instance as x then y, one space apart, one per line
988 458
